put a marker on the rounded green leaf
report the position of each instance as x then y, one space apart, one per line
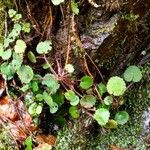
48 99
102 116
25 74
11 13
7 54
86 82
75 8
32 109
111 124
35 86
116 86
57 2
7 70
132 73
39 97
75 101
122 117
39 109
1 49
108 100
44 47
31 57
51 82
101 89
54 108
26 27
70 95
69 68
88 101
20 46
74 112
58 97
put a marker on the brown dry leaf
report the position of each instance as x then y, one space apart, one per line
43 146
7 109
18 119
114 147
49 139
2 85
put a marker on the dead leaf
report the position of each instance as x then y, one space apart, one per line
2 85
18 119
43 146
49 139
7 109
114 147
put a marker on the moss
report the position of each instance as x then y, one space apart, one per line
126 136
3 5
73 137
5 140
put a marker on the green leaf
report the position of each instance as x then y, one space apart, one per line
26 27
57 2
108 100
48 99
7 54
20 46
17 29
122 117
75 101
111 124
53 108
7 70
102 116
25 88
101 89
116 86
39 109
39 97
11 13
17 61
51 82
69 68
17 17
75 8
1 49
44 47
58 97
88 101
32 109
86 82
35 86
72 97
28 143
74 112
25 74
31 57
45 66
132 73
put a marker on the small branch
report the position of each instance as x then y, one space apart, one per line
99 96
50 67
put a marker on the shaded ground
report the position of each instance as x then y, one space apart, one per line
97 41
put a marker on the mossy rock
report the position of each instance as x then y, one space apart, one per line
126 136
3 5
6 142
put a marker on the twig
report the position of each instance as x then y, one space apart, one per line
99 96
50 67
95 65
